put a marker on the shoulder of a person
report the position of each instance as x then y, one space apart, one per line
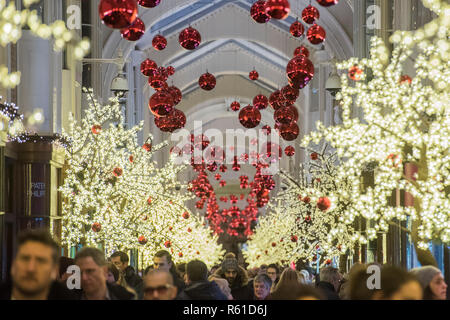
119 292
5 290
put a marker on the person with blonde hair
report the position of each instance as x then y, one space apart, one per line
289 284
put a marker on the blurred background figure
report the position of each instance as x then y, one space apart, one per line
158 285
432 282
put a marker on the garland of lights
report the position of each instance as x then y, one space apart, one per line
11 23
116 197
406 121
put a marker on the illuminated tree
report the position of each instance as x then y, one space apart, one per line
402 141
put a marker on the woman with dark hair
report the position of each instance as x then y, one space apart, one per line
432 282
397 284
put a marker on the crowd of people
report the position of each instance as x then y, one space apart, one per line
38 273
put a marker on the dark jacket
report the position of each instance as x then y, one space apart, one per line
134 281
202 290
116 292
240 290
57 291
328 290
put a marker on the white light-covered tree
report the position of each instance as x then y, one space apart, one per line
12 21
117 197
403 136
305 220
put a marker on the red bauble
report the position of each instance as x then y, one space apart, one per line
274 244
142 240
258 12
161 103
355 73
297 29
278 9
301 51
179 118
134 32
235 106
159 42
289 151
310 14
96 227
148 67
222 183
260 101
176 94
180 254
149 3
266 129
201 142
316 34
96 129
253 75
189 38
249 117
212 167
131 158
289 132
118 14
286 115
270 153
276 100
207 81
149 200
327 3
147 147
294 238
405 79
300 70
328 261
223 168
167 244
314 156
217 177
158 79
117 171
170 70
323 203
290 94
186 215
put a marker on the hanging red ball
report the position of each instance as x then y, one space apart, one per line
297 29
157 80
289 132
327 3
223 168
189 38
142 240
207 81
147 147
249 117
222 183
289 151
170 70
323 203
314 156
300 70
217 177
149 3
405 79
253 75
167 244
159 42
235 106
148 67
301 51
310 14
286 115
96 128
118 14
180 254
96 227
276 100
117 172
260 101
161 103
176 94
316 34
274 244
258 12
186 215
270 152
134 32
355 73
266 129
290 94
294 238
278 9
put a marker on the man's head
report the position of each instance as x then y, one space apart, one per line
272 272
196 270
163 260
261 285
36 263
230 269
93 268
120 260
158 285
331 275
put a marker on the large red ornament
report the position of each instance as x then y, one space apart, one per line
316 34
253 75
142 240
296 29
278 9
207 81
149 3
249 117
276 100
159 42
96 227
260 101
161 103
300 70
148 67
176 94
301 51
310 14
289 132
235 106
323 203
290 94
189 38
327 3
158 79
286 115
258 12
289 151
118 14
134 32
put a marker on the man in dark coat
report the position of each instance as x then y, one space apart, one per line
329 283
163 261
237 278
199 288
34 270
120 259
